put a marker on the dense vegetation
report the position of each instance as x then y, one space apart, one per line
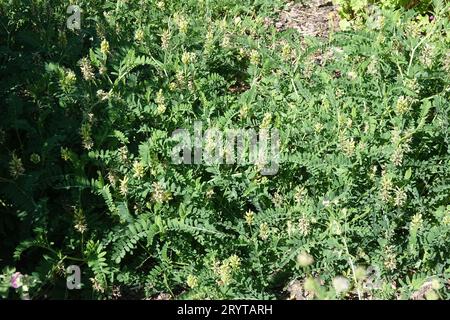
360 206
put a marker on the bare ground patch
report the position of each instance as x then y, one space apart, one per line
311 18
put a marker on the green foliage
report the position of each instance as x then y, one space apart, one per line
354 12
86 175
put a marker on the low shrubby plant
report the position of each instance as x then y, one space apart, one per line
359 207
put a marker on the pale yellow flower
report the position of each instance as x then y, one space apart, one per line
86 69
304 226
400 197
255 58
139 35
249 217
416 222
138 169
165 39
390 258
266 120
124 186
264 231
192 281
104 47
159 194
234 262
300 195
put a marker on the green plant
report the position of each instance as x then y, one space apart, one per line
87 177
356 11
